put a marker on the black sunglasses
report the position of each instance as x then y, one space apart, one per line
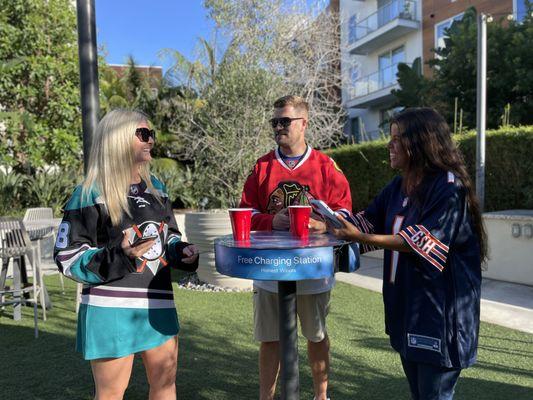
144 134
284 121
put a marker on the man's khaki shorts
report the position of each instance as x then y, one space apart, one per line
312 311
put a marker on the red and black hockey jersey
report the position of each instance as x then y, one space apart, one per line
273 186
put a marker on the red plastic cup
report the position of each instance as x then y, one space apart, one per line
241 222
299 220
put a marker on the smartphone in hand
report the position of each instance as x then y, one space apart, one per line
323 209
142 240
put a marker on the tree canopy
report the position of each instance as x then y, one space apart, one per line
39 84
509 73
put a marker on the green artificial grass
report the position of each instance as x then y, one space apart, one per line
218 356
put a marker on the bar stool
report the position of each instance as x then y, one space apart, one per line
15 246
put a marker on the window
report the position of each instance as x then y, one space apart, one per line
352 33
354 73
388 66
385 116
355 130
440 30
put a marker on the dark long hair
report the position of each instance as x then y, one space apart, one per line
426 138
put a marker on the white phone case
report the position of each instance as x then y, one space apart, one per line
326 212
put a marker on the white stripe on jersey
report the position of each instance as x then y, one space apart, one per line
126 302
127 289
300 163
66 264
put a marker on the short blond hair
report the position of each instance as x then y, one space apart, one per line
294 101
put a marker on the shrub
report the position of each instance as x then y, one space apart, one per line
178 180
47 188
508 177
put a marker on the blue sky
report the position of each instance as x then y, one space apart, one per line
142 28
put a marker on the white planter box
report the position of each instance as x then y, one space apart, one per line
201 229
510 240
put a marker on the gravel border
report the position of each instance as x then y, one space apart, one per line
192 282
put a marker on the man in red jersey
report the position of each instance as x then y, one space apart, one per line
293 174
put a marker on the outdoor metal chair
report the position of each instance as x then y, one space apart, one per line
15 246
42 220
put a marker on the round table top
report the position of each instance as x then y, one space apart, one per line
265 240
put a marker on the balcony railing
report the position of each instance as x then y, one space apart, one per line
372 83
404 9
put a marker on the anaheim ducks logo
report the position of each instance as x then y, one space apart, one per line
288 194
154 257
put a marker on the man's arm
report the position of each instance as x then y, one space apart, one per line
339 198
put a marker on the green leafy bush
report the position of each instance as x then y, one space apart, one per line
508 177
178 180
11 192
47 188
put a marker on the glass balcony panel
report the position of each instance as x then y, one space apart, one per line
405 9
372 83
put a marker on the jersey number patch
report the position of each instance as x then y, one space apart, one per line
62 235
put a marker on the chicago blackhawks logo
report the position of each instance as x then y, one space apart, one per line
154 256
288 194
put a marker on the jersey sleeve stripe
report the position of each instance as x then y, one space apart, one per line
437 241
173 238
344 212
362 223
365 226
415 247
74 265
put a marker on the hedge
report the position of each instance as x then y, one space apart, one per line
508 167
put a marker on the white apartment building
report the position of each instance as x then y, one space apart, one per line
376 35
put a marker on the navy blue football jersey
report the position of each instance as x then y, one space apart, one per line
431 294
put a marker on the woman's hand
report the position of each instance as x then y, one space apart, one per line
190 254
348 231
135 251
317 226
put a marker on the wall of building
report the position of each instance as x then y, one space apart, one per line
368 64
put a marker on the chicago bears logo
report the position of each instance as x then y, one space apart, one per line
154 256
287 194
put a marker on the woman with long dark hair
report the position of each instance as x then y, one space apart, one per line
428 221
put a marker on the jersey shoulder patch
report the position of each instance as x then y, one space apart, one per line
336 166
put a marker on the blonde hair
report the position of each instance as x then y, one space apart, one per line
112 160
297 102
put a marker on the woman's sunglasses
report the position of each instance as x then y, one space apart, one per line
144 134
284 121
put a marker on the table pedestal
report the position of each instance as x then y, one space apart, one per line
288 337
280 256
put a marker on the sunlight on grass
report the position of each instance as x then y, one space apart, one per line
218 356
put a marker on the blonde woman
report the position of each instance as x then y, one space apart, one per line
119 238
